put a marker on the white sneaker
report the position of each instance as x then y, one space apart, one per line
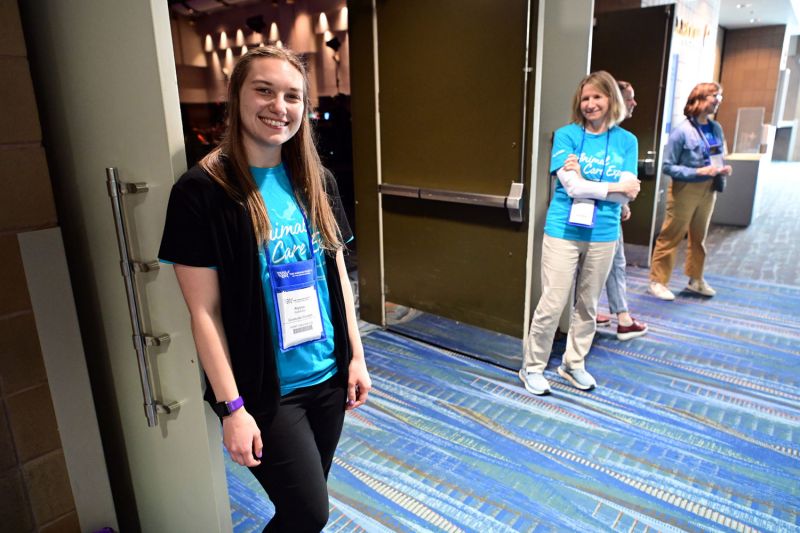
579 377
660 291
535 382
700 287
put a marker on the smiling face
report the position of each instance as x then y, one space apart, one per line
270 109
594 107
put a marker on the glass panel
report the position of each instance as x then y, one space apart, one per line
749 123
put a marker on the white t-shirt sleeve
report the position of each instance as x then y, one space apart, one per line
578 187
618 197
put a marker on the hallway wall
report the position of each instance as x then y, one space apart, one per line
751 64
33 474
694 42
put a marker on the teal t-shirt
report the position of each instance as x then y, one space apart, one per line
308 364
603 157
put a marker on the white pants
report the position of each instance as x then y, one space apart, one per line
560 260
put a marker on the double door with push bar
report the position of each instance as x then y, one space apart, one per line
452 109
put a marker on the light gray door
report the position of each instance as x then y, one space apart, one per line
106 86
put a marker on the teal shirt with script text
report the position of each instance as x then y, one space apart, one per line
308 364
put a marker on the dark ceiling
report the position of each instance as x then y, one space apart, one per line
199 8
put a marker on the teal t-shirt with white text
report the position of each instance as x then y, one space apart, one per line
308 364
603 157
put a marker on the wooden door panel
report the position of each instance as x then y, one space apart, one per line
463 262
451 112
451 93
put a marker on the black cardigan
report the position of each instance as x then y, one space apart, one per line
204 227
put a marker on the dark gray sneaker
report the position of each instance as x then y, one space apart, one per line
534 382
580 378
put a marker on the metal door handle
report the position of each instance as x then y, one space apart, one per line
140 340
648 165
513 202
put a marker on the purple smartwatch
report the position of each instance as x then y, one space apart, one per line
223 409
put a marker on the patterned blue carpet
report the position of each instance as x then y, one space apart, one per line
694 427
489 346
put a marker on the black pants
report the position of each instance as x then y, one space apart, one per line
298 452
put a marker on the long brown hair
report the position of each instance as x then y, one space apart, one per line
697 98
227 164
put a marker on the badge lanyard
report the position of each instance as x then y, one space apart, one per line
296 299
584 210
716 160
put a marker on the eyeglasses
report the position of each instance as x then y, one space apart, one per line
717 96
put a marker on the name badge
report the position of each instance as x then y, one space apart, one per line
582 213
717 161
297 305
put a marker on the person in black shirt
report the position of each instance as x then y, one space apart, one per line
256 232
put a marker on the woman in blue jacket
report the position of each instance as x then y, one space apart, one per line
693 158
595 161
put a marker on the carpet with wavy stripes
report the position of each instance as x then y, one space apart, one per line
693 427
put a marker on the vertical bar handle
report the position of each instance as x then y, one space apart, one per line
115 190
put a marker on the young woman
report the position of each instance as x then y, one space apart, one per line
595 161
256 233
693 158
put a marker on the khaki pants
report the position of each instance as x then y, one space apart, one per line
560 260
689 208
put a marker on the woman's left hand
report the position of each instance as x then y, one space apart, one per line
727 170
359 383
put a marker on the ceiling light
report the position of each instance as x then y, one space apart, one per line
274 36
322 23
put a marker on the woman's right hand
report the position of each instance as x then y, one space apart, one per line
242 438
708 171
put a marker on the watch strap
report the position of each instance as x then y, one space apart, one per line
223 409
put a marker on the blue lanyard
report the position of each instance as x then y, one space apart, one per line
706 144
605 156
